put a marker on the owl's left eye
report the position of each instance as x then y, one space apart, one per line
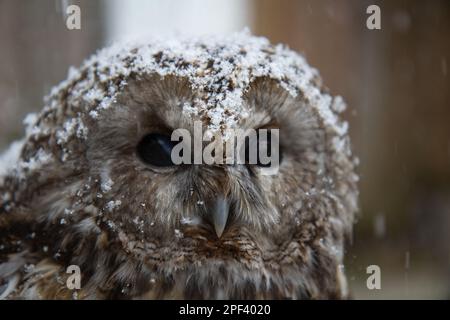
155 149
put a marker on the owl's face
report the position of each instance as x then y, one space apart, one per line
102 193
176 205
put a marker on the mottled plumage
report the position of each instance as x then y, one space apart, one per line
79 195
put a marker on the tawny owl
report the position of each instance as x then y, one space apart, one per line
92 183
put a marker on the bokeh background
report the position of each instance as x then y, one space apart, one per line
395 80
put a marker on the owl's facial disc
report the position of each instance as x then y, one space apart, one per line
210 209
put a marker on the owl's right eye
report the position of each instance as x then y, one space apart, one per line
155 149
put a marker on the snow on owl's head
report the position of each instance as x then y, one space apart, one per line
95 175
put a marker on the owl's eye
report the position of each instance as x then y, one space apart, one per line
155 149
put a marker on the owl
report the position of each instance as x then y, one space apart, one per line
92 183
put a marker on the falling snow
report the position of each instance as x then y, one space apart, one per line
178 234
113 204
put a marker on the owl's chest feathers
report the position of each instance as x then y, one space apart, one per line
118 265
104 275
51 281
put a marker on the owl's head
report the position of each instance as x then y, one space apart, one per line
99 176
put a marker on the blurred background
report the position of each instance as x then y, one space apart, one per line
395 80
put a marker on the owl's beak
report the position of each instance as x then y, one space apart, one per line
220 215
